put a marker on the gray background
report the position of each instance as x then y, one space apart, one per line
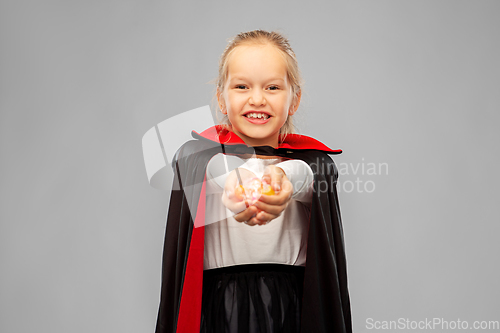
413 84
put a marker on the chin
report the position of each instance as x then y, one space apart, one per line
257 134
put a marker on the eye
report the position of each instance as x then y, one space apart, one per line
273 88
240 86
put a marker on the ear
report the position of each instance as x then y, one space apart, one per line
295 105
221 102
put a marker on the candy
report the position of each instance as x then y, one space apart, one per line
239 192
267 189
252 189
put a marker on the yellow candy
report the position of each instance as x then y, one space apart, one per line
253 189
239 192
267 189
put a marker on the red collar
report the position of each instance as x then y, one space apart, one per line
221 135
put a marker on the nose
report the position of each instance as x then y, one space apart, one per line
257 98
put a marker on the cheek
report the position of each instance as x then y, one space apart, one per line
227 105
234 102
285 105
290 100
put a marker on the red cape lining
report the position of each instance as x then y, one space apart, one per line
220 134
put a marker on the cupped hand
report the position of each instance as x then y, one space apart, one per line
242 207
267 207
271 206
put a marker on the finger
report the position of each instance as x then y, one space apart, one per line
253 221
276 179
276 199
272 176
263 218
268 171
247 214
275 210
280 198
286 185
233 203
234 198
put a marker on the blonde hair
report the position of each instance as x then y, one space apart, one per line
261 37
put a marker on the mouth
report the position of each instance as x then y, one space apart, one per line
257 115
257 121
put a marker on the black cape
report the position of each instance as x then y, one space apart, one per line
326 304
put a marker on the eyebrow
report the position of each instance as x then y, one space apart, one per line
243 78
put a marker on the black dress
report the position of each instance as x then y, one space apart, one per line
253 298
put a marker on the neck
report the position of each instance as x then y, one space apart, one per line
254 142
263 157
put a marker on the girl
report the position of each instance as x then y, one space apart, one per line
254 237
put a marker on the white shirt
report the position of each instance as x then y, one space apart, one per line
282 240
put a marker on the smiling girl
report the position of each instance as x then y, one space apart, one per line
241 259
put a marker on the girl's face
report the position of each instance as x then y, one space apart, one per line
257 96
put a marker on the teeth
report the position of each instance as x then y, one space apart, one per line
257 115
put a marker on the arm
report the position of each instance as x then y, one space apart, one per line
299 173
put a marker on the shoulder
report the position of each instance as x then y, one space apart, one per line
305 142
194 149
321 163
